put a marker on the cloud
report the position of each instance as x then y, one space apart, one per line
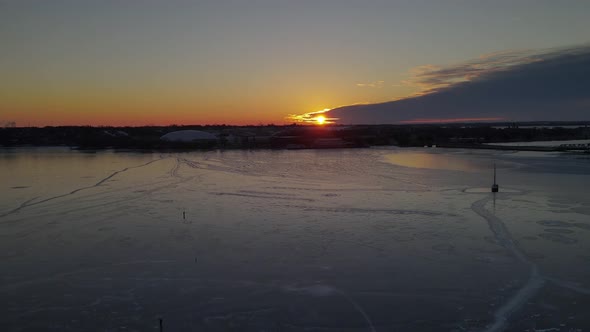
523 85
376 84
312 117
432 78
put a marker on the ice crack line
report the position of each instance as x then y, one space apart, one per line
32 202
533 284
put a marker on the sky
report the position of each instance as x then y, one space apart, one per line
147 62
548 85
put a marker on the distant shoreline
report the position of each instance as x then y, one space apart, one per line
465 136
532 148
181 150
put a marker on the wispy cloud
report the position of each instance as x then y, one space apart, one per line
376 84
432 78
312 117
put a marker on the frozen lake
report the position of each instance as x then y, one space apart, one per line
308 240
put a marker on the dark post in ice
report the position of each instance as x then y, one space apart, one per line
495 187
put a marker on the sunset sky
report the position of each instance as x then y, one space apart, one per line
138 62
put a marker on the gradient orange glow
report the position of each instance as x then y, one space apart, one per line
113 63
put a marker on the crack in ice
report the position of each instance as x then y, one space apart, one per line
31 202
535 280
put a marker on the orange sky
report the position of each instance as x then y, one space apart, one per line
239 62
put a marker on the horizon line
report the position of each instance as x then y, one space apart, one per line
487 121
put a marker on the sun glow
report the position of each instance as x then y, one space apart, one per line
320 120
318 117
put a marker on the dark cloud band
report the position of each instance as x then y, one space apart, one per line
515 86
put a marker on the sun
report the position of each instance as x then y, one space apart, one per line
320 120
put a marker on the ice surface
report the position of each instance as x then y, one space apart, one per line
302 240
